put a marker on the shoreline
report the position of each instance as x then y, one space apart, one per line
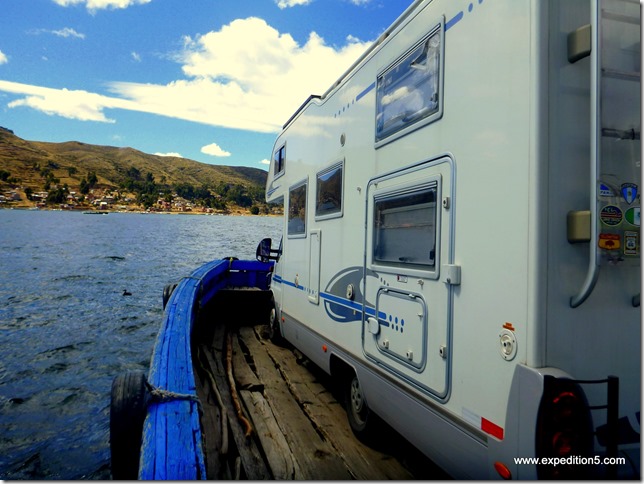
91 211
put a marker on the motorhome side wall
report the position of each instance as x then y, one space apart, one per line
487 128
506 177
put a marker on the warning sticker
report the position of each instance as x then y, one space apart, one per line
611 215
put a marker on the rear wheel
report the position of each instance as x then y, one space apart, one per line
362 420
274 331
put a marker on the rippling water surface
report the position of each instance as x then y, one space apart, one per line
66 330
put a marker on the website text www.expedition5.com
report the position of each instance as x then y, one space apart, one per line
570 460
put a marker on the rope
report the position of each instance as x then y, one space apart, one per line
159 395
233 388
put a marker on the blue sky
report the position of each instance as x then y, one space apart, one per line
209 80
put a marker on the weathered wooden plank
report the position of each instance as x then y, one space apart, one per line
316 457
273 442
330 419
278 453
213 438
250 455
244 375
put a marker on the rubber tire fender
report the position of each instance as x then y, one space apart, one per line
128 409
167 292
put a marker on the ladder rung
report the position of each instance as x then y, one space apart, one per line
624 75
619 17
622 134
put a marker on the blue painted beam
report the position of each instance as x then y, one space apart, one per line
171 447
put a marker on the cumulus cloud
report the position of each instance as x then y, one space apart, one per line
265 162
3 58
247 75
94 5
80 105
262 74
214 150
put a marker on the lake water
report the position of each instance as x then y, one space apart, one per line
66 330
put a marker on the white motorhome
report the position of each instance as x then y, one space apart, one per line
461 245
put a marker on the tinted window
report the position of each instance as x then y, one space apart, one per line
329 192
297 210
279 160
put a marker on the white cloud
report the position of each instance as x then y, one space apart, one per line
81 105
175 155
265 162
261 73
246 75
3 58
67 32
94 5
291 3
213 149
136 57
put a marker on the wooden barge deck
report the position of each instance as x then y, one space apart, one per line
282 419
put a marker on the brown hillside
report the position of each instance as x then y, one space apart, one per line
72 161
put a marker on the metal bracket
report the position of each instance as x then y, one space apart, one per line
451 274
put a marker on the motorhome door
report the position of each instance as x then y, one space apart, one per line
407 313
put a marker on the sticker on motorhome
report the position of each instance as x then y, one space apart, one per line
630 243
605 191
611 215
482 423
629 192
609 241
633 216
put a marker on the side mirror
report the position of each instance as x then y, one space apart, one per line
265 251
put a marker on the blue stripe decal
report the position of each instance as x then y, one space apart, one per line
279 280
453 21
341 301
365 92
272 190
459 16
332 298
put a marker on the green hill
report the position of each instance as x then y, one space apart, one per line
36 166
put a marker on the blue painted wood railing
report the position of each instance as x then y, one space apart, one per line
171 447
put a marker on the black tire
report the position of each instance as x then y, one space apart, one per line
274 330
167 292
128 408
363 422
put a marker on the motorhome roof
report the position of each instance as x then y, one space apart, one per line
360 59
